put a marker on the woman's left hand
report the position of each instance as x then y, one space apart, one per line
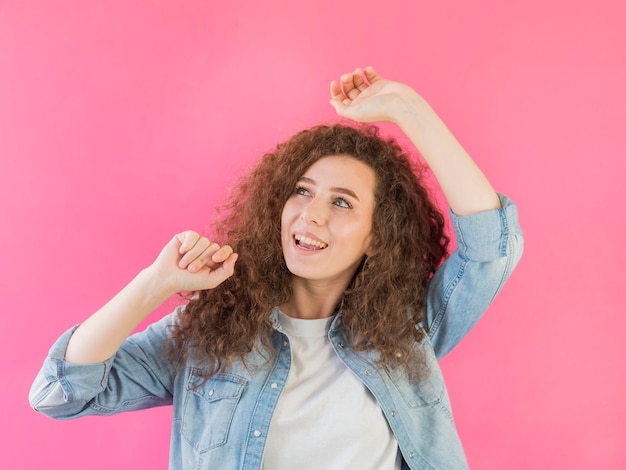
364 96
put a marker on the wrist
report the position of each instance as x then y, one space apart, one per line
411 109
419 121
156 287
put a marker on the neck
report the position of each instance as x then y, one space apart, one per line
311 299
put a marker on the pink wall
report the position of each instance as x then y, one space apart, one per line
123 122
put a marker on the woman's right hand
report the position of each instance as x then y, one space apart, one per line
190 262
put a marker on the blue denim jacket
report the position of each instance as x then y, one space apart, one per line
223 422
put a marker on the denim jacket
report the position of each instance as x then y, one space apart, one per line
223 423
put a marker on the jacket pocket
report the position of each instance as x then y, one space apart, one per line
209 408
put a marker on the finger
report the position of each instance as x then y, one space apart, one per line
222 254
212 257
211 278
338 97
187 240
348 87
199 253
343 108
371 75
227 269
359 81
205 259
229 264
335 91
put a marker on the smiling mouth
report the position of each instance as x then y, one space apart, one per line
308 243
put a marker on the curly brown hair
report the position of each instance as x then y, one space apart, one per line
383 303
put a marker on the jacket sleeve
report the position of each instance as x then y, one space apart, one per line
138 376
489 246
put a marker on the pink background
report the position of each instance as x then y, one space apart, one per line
122 123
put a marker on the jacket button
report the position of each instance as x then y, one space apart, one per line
211 392
341 345
257 433
368 372
411 455
393 413
274 385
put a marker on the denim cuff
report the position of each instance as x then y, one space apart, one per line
57 369
485 236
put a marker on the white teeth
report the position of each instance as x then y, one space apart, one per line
309 241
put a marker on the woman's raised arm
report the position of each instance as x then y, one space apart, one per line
364 96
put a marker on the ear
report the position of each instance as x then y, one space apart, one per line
370 250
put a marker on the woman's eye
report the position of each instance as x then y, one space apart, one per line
341 202
301 191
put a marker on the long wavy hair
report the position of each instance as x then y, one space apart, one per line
384 301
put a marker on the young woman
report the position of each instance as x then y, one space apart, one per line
314 323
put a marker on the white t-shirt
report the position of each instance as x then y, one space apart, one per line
325 417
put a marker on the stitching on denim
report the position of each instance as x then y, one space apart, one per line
446 298
504 231
250 455
68 393
461 248
125 404
460 241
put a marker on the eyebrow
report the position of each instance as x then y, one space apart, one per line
345 191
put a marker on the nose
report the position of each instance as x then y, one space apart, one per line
314 212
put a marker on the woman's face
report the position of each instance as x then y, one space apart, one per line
326 223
